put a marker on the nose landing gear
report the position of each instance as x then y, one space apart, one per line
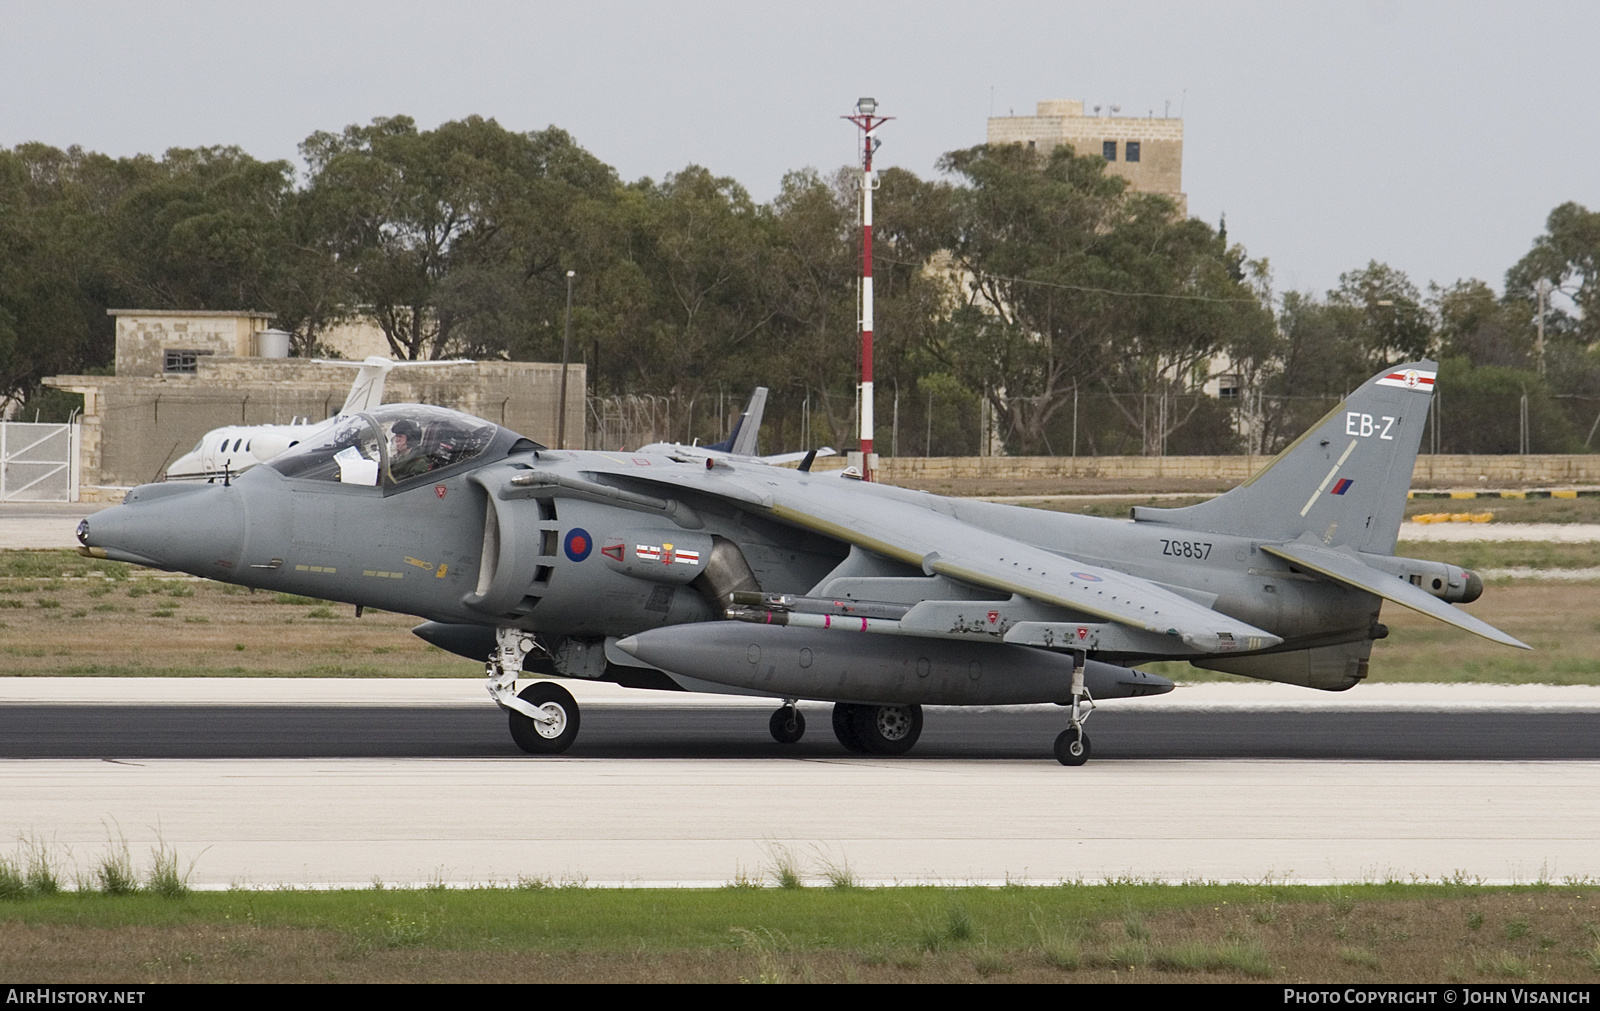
544 716
558 728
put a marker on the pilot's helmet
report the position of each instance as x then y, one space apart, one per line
408 428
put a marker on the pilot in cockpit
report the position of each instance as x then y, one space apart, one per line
408 457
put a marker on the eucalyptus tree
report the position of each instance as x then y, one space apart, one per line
455 237
1072 283
55 269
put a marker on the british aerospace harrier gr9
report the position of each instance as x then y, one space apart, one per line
719 573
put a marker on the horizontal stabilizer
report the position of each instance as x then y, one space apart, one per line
1341 568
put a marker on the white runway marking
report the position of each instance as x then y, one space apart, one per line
316 822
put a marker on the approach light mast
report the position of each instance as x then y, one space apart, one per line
867 122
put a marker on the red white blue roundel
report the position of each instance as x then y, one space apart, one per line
578 544
1087 577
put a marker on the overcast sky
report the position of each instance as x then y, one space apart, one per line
1433 136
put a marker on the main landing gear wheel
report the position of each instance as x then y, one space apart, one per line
561 729
1072 748
844 726
877 730
788 725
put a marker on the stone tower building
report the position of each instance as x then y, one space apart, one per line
1146 152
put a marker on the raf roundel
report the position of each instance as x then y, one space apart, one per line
578 544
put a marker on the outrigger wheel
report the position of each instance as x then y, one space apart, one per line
560 727
1072 747
788 724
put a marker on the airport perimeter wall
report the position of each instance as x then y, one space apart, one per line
133 426
1444 470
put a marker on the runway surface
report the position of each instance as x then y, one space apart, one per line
617 732
320 783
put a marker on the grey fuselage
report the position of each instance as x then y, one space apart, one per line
570 545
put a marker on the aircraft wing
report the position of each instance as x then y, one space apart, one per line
883 520
1341 568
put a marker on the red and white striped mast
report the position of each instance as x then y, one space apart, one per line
867 122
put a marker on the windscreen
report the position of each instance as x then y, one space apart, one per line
350 452
420 440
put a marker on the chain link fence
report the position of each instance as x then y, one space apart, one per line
919 423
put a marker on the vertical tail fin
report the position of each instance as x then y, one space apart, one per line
1344 481
367 390
742 440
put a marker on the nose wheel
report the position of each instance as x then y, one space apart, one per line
787 725
555 727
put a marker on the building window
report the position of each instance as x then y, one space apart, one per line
1032 145
181 361
1133 150
1228 387
1109 149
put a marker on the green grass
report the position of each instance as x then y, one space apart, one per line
775 934
1505 554
619 918
59 563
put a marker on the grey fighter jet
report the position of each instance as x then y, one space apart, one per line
722 574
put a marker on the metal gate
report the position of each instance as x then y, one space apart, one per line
38 463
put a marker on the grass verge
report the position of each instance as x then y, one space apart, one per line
1113 931
110 621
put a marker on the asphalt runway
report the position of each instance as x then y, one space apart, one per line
82 730
337 783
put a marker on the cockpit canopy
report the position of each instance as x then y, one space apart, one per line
395 445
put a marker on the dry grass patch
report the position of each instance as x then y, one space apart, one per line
125 621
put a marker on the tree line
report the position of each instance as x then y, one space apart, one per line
1025 301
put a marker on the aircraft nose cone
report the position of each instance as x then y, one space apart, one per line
1474 588
195 528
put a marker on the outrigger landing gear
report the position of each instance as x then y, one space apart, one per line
544 717
788 724
1072 744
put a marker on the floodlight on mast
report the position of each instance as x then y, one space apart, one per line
866 122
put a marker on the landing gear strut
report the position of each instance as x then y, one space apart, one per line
877 730
1072 744
788 724
544 716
